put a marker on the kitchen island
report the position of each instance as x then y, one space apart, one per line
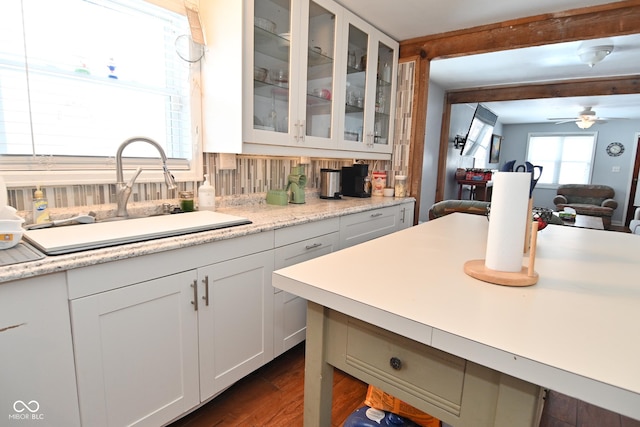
413 323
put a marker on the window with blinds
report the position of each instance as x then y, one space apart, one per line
78 77
566 158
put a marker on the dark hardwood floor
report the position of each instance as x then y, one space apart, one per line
273 396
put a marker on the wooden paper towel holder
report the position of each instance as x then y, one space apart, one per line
525 277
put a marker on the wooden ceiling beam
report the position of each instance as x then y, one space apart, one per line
566 88
612 19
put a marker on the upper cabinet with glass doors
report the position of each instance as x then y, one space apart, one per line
289 78
370 85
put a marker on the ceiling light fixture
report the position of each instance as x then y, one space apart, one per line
584 124
591 55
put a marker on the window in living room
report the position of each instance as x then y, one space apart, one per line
566 158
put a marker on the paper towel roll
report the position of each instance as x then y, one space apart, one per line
508 219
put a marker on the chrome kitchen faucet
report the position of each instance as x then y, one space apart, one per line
123 191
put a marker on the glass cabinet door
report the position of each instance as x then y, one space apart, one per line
320 72
355 90
272 65
384 95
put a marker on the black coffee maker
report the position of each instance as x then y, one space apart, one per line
354 182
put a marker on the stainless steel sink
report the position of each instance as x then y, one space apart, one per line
117 231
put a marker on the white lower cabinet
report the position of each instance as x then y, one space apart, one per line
293 245
406 215
156 335
235 319
136 351
363 226
149 351
37 376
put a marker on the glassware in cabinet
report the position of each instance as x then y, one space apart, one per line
320 71
356 81
272 65
384 94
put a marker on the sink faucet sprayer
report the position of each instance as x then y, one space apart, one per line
123 191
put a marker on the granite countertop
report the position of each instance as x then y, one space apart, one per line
264 217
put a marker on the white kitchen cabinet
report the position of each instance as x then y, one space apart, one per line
136 352
235 320
369 73
274 80
406 215
360 227
293 245
37 375
152 340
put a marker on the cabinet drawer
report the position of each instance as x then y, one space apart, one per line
363 226
297 233
419 370
305 250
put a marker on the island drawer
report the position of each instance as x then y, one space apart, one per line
422 371
457 391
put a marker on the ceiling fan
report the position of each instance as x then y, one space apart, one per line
585 119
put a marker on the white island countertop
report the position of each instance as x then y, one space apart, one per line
575 331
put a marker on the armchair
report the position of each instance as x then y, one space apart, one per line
634 225
588 199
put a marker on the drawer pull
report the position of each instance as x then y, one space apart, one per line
376 214
395 363
313 246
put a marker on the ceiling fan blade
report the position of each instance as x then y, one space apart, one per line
564 120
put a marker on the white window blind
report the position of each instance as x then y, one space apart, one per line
566 158
78 77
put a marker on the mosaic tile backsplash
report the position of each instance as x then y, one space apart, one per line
253 174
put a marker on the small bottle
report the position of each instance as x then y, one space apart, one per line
206 196
40 208
367 185
186 201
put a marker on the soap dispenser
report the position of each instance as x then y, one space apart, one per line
40 207
206 196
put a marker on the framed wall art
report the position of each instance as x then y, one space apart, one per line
494 150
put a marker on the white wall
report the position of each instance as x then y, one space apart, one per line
431 148
623 131
461 117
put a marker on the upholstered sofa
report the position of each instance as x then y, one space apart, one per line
447 207
588 199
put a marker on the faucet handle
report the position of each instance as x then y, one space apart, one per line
133 179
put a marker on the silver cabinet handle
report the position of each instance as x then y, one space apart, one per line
303 129
205 297
370 139
377 214
194 285
315 245
403 212
296 132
